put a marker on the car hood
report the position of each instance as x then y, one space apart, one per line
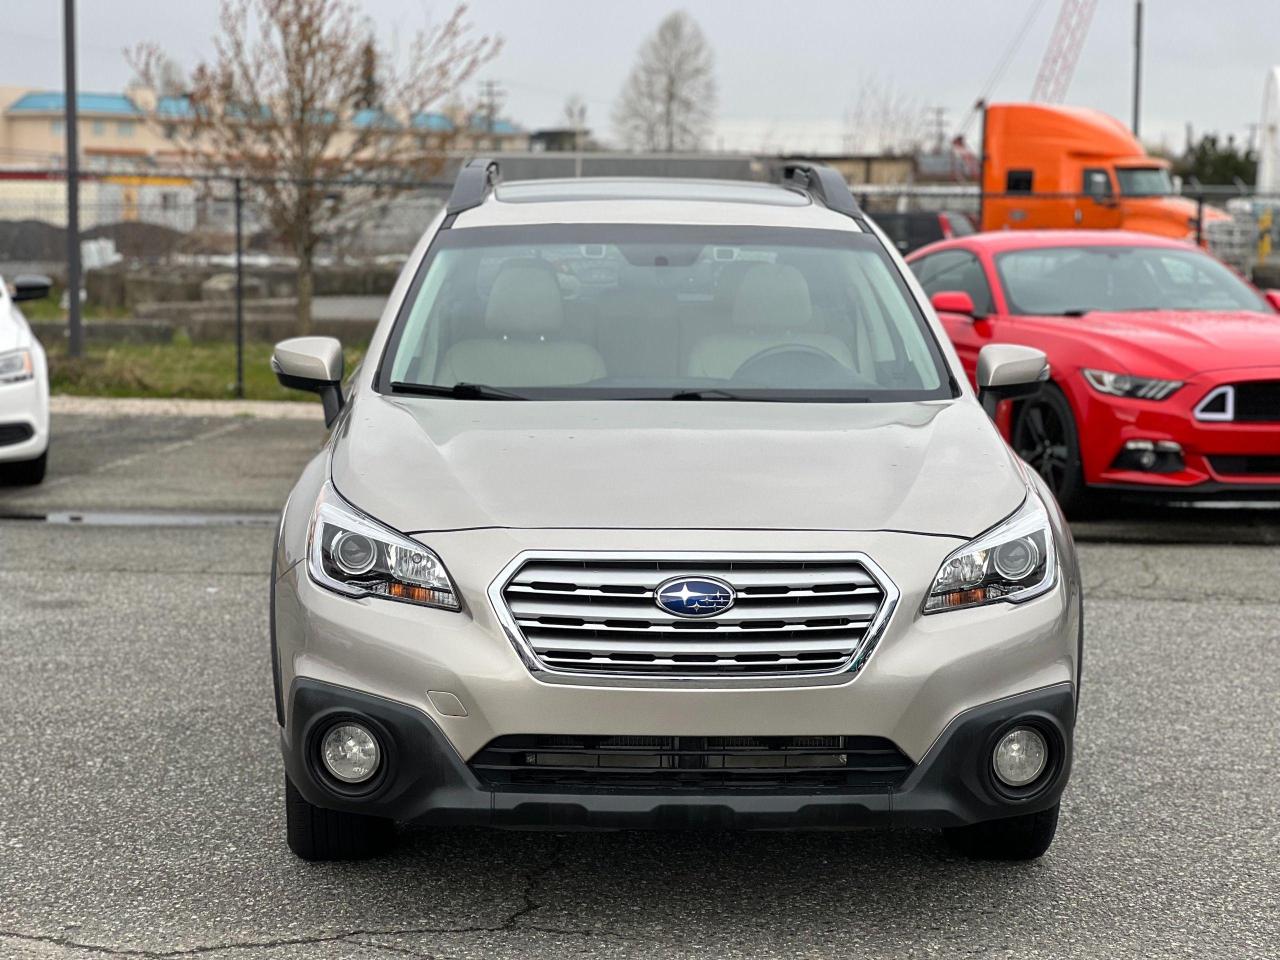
1180 343
421 464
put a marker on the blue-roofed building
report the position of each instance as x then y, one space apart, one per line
113 129
125 131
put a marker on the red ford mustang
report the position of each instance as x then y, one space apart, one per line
1165 364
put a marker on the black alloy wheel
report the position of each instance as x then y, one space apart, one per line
1044 435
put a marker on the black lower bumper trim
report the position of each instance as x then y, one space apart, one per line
427 782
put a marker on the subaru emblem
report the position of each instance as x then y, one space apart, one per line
694 596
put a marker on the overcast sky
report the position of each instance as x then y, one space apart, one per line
776 63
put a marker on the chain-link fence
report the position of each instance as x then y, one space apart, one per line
208 260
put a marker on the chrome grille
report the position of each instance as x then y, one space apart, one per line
794 615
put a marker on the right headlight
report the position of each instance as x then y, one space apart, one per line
16 366
354 554
1013 562
1126 385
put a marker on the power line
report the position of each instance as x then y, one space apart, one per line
998 72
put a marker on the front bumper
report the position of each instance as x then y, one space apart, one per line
24 409
454 682
425 781
1107 423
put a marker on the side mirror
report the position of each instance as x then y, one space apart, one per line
313 364
31 287
953 301
1273 298
1007 371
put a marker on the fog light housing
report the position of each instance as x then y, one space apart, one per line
1020 757
350 752
1150 456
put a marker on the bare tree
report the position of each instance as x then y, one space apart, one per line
669 99
286 101
884 120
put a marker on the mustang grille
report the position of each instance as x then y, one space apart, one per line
1258 401
791 617
674 764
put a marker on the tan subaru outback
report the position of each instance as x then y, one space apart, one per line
665 504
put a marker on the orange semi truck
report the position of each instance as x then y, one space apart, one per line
1069 167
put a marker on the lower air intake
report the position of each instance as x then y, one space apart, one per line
699 764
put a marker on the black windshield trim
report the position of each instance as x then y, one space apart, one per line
727 234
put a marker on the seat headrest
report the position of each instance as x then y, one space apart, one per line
525 299
773 297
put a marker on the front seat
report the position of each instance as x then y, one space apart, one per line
523 316
771 309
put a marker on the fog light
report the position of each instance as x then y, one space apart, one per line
1020 756
350 752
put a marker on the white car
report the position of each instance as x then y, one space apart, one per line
24 387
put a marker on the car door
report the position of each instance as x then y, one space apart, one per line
959 269
1097 208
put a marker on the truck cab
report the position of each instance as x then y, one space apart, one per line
1053 167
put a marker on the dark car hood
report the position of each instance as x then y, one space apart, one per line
431 464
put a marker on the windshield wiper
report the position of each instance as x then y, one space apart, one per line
709 393
462 391
715 393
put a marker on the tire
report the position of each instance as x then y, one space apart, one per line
25 473
1044 434
315 833
1015 838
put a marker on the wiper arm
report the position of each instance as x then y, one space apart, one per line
710 393
462 391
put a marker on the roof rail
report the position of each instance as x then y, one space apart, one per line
823 183
475 181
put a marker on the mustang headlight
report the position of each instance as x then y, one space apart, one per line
15 366
1014 561
356 555
1124 385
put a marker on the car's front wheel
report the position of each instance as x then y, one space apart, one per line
1045 436
1015 838
315 833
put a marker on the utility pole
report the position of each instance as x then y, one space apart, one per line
75 335
491 98
1137 63
938 126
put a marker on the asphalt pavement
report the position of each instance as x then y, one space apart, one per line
141 810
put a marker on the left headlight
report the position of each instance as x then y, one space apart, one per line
1124 385
354 554
1013 561
15 366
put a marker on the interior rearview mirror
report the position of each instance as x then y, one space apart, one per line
31 287
953 301
313 364
1007 371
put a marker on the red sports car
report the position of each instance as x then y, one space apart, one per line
1165 364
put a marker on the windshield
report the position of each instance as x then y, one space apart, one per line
1144 181
1056 281
628 311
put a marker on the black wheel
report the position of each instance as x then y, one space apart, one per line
1016 838
25 473
315 833
1044 435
